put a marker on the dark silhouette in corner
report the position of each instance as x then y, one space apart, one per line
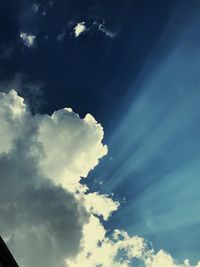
6 258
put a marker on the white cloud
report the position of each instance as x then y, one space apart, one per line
42 221
81 137
12 112
119 250
162 258
100 250
79 29
47 216
27 39
100 205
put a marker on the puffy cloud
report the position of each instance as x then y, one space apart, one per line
48 217
31 89
102 250
79 29
78 146
28 39
100 205
119 250
162 258
12 112
42 221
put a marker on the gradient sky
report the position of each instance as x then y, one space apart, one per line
133 65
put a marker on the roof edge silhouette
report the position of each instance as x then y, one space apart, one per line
6 258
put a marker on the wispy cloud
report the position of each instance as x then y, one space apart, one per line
106 31
35 7
38 8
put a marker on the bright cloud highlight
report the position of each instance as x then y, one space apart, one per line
79 29
28 39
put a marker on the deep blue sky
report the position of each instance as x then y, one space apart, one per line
142 85
93 73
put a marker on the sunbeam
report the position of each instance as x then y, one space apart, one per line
156 146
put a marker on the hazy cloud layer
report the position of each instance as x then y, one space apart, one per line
47 216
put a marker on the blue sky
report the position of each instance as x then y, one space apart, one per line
155 146
134 66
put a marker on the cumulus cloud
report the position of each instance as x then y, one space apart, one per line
41 220
78 147
79 29
32 90
12 111
100 205
119 250
48 216
28 39
100 250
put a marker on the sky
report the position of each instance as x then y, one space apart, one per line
99 132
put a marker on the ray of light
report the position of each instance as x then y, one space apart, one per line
156 147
